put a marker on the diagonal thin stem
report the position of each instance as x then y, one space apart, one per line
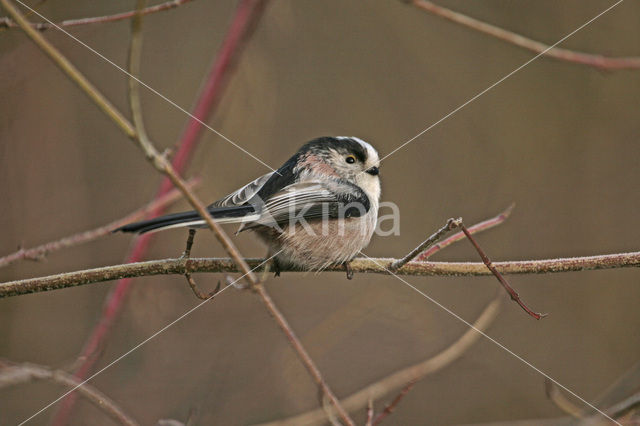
478 227
514 295
71 71
247 14
160 163
451 224
304 355
416 372
12 374
41 26
392 406
38 252
596 61
561 401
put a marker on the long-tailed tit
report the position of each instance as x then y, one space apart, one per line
319 209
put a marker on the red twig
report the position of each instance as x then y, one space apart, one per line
41 26
478 227
514 295
39 252
246 16
596 61
389 408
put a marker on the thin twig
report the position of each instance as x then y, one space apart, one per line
369 421
39 252
161 164
41 26
478 227
135 52
596 61
304 355
625 385
12 374
71 71
244 21
392 406
328 410
561 401
179 266
416 372
199 293
190 280
624 406
514 294
90 353
451 224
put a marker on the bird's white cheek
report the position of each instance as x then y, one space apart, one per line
371 186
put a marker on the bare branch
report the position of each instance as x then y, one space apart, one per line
161 164
625 385
457 223
41 26
514 294
451 224
14 374
561 401
199 293
302 352
135 51
478 227
596 61
242 25
371 265
391 407
624 406
41 251
414 373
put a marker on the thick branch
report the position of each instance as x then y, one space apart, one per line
371 265
596 61
15 374
8 23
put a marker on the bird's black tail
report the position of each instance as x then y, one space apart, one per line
190 219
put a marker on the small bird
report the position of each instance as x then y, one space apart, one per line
319 209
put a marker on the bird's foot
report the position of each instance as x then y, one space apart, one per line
187 251
350 271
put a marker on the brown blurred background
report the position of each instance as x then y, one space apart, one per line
559 139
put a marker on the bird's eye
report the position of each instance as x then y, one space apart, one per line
350 159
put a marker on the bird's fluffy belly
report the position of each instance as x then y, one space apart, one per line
317 244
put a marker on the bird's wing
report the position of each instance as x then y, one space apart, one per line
314 200
244 194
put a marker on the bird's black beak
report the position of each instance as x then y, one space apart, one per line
373 171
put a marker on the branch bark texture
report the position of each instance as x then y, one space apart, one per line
373 266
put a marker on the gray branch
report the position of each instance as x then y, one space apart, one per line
361 265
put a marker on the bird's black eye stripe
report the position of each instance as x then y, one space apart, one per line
350 159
